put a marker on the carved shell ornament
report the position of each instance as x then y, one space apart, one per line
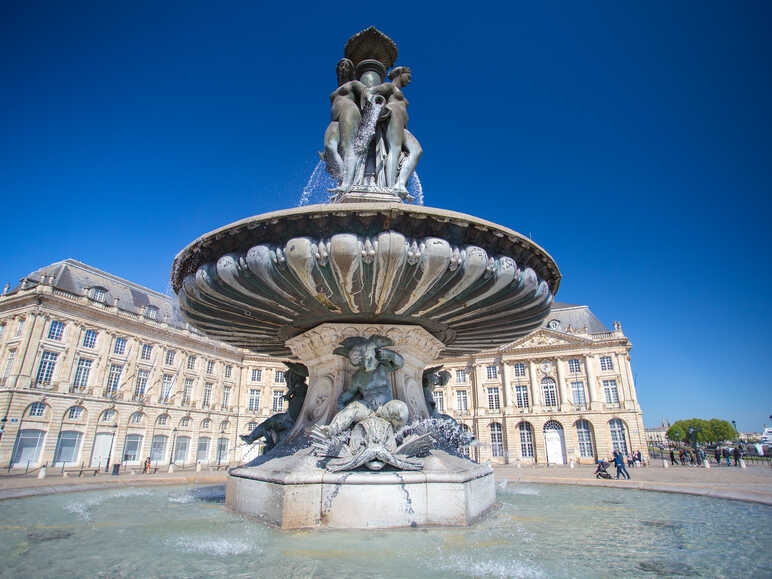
468 298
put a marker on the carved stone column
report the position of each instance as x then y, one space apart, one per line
592 386
535 394
565 401
330 373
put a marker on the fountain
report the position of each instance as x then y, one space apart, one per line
364 292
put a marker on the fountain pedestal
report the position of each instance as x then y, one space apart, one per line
293 492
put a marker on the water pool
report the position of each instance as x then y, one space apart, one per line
536 531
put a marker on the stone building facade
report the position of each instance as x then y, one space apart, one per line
97 370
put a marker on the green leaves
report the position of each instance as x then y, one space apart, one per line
699 430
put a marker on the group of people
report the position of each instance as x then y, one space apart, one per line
692 457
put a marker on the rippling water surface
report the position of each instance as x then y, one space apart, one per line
537 531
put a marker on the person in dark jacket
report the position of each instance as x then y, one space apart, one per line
619 462
725 454
717 455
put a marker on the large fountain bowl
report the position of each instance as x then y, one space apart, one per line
472 284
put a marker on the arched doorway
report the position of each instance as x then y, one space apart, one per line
554 442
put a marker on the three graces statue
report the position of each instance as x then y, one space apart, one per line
367 147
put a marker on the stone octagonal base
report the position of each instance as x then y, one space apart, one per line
293 493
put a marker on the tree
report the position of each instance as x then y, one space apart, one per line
714 430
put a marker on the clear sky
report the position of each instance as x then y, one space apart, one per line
631 140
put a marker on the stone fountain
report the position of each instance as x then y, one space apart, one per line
364 293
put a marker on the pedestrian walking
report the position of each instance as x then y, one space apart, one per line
725 454
672 457
736 454
717 454
619 462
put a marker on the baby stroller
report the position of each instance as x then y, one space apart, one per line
601 471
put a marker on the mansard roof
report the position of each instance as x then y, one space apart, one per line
576 316
77 278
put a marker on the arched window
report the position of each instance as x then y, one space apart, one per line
224 426
497 439
162 420
584 436
28 446
158 448
37 409
554 442
549 392
526 440
75 413
618 438
205 424
136 418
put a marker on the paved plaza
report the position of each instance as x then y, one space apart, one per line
752 484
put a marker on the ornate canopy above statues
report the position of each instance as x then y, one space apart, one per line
367 147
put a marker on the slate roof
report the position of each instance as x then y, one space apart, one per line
75 277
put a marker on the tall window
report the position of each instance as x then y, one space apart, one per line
9 364
108 415
210 366
549 392
228 371
611 392
136 418
187 393
254 399
163 419
67 447
207 395
55 331
89 339
574 366
462 400
584 436
139 387
191 362
494 403
278 377
120 346
81 373
158 448
257 374
497 440
577 393
19 327
460 376
37 409
618 438
439 401
492 372
132 448
526 440
606 363
521 396
226 396
46 369
278 401
519 369
169 357
166 387
202 451
147 350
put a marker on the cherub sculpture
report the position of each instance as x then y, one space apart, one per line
369 411
431 378
276 428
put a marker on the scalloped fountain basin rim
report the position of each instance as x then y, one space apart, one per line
470 283
326 219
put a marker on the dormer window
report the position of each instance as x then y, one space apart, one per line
98 294
151 313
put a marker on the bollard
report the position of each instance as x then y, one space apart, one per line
707 463
198 467
42 472
571 463
171 468
665 463
742 463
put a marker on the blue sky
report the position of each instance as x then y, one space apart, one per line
631 140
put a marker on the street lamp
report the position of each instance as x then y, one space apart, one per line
171 450
734 425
